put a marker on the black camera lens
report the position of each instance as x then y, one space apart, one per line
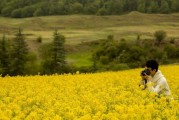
145 72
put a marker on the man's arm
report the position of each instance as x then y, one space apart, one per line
157 89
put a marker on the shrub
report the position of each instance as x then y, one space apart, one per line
160 36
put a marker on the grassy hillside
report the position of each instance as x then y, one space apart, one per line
80 28
84 28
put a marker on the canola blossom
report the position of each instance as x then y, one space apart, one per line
92 96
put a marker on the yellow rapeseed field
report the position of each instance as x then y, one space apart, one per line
98 96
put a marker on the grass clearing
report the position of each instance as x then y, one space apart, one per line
80 59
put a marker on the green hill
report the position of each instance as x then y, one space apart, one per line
86 28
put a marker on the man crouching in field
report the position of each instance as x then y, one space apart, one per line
152 74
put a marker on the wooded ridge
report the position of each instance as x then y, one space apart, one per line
30 8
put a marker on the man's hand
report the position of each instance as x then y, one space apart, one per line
147 77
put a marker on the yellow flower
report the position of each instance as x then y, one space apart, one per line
106 95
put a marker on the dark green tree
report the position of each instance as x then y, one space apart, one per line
4 57
93 7
6 11
54 55
77 7
160 36
115 7
16 13
58 53
28 8
141 6
55 8
164 7
43 10
19 54
28 11
102 11
153 8
175 5
38 12
83 2
2 4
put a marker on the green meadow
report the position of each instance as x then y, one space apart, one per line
79 29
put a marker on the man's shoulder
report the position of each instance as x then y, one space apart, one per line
162 80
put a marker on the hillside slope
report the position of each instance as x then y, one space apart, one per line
82 28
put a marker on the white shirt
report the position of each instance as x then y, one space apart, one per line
160 84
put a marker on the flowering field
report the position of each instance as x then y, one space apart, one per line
99 96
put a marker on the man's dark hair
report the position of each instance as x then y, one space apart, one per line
153 64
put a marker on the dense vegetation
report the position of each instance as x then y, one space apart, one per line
108 54
17 59
29 8
117 55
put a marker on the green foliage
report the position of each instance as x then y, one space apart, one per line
114 55
110 37
153 8
114 7
77 7
6 11
19 54
102 11
16 13
38 12
104 60
32 67
171 51
175 5
28 11
116 67
29 8
54 58
39 39
164 7
141 6
45 54
4 58
160 36
2 3
110 54
58 52
92 7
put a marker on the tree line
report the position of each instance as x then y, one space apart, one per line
119 55
29 8
17 59
108 54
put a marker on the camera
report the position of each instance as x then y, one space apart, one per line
145 72
144 81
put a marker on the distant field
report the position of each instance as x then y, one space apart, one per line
80 28
85 28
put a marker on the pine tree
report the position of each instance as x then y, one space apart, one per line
58 53
141 6
4 57
19 54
